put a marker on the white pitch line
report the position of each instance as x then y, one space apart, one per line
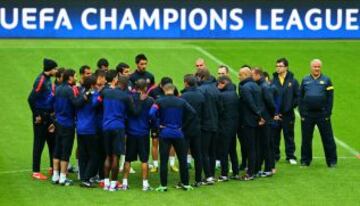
218 61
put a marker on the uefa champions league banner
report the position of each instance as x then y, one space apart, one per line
255 19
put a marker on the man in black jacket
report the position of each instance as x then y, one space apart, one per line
42 107
265 130
316 102
192 131
213 107
252 107
288 91
228 126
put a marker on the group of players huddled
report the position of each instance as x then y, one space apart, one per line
114 113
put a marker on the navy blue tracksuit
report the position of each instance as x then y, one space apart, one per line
171 113
117 104
264 146
210 125
41 105
86 137
67 98
229 120
316 102
192 130
138 130
288 93
251 106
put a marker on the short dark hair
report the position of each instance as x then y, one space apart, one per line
245 65
258 70
67 74
266 75
140 84
190 79
89 81
203 74
284 61
140 57
83 68
102 62
110 75
166 80
224 80
224 66
169 86
123 81
60 72
121 66
100 73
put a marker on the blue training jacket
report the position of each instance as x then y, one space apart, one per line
171 112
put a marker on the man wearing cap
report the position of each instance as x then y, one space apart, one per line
41 106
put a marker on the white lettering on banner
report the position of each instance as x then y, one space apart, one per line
13 23
153 19
170 16
84 17
196 19
63 20
234 15
314 19
108 19
128 19
29 18
203 19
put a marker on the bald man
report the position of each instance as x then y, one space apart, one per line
316 102
252 107
200 64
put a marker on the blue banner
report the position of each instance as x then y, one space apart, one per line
285 19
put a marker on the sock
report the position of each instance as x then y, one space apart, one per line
106 182
145 183
122 162
189 159
62 177
217 163
172 161
56 176
125 182
156 163
113 184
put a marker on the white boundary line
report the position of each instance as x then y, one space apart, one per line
218 61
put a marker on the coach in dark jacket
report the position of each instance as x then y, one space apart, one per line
252 106
228 126
264 148
288 91
192 130
316 102
210 124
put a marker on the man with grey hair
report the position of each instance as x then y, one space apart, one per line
315 105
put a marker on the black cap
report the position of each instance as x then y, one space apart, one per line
49 64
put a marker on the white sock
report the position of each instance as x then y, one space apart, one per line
56 176
145 183
217 163
122 162
125 182
113 184
156 163
106 182
172 161
189 159
62 177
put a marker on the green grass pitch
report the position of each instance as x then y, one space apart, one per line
20 63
